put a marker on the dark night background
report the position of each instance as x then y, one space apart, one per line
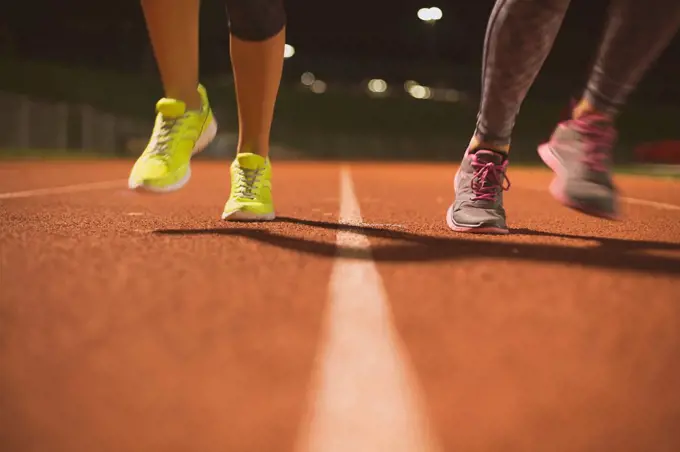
112 34
343 43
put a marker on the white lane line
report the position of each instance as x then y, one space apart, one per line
364 397
640 202
65 189
655 204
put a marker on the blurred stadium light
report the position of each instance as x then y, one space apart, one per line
307 79
318 87
430 15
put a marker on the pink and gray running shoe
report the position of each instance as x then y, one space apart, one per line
479 185
579 152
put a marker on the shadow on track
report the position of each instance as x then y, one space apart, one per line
609 253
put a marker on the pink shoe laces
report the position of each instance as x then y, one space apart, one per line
488 179
597 139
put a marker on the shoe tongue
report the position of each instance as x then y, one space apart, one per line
485 156
171 108
251 161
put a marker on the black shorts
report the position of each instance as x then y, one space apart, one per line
255 20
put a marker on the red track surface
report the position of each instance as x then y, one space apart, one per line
143 323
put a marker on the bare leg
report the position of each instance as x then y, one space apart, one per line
257 44
173 30
257 75
258 38
184 122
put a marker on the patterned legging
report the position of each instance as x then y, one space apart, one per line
521 33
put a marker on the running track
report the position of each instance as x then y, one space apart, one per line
357 322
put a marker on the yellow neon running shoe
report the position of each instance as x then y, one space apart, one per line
251 189
178 134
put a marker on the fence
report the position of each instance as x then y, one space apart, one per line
306 126
29 124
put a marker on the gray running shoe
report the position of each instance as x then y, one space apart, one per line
479 185
579 152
